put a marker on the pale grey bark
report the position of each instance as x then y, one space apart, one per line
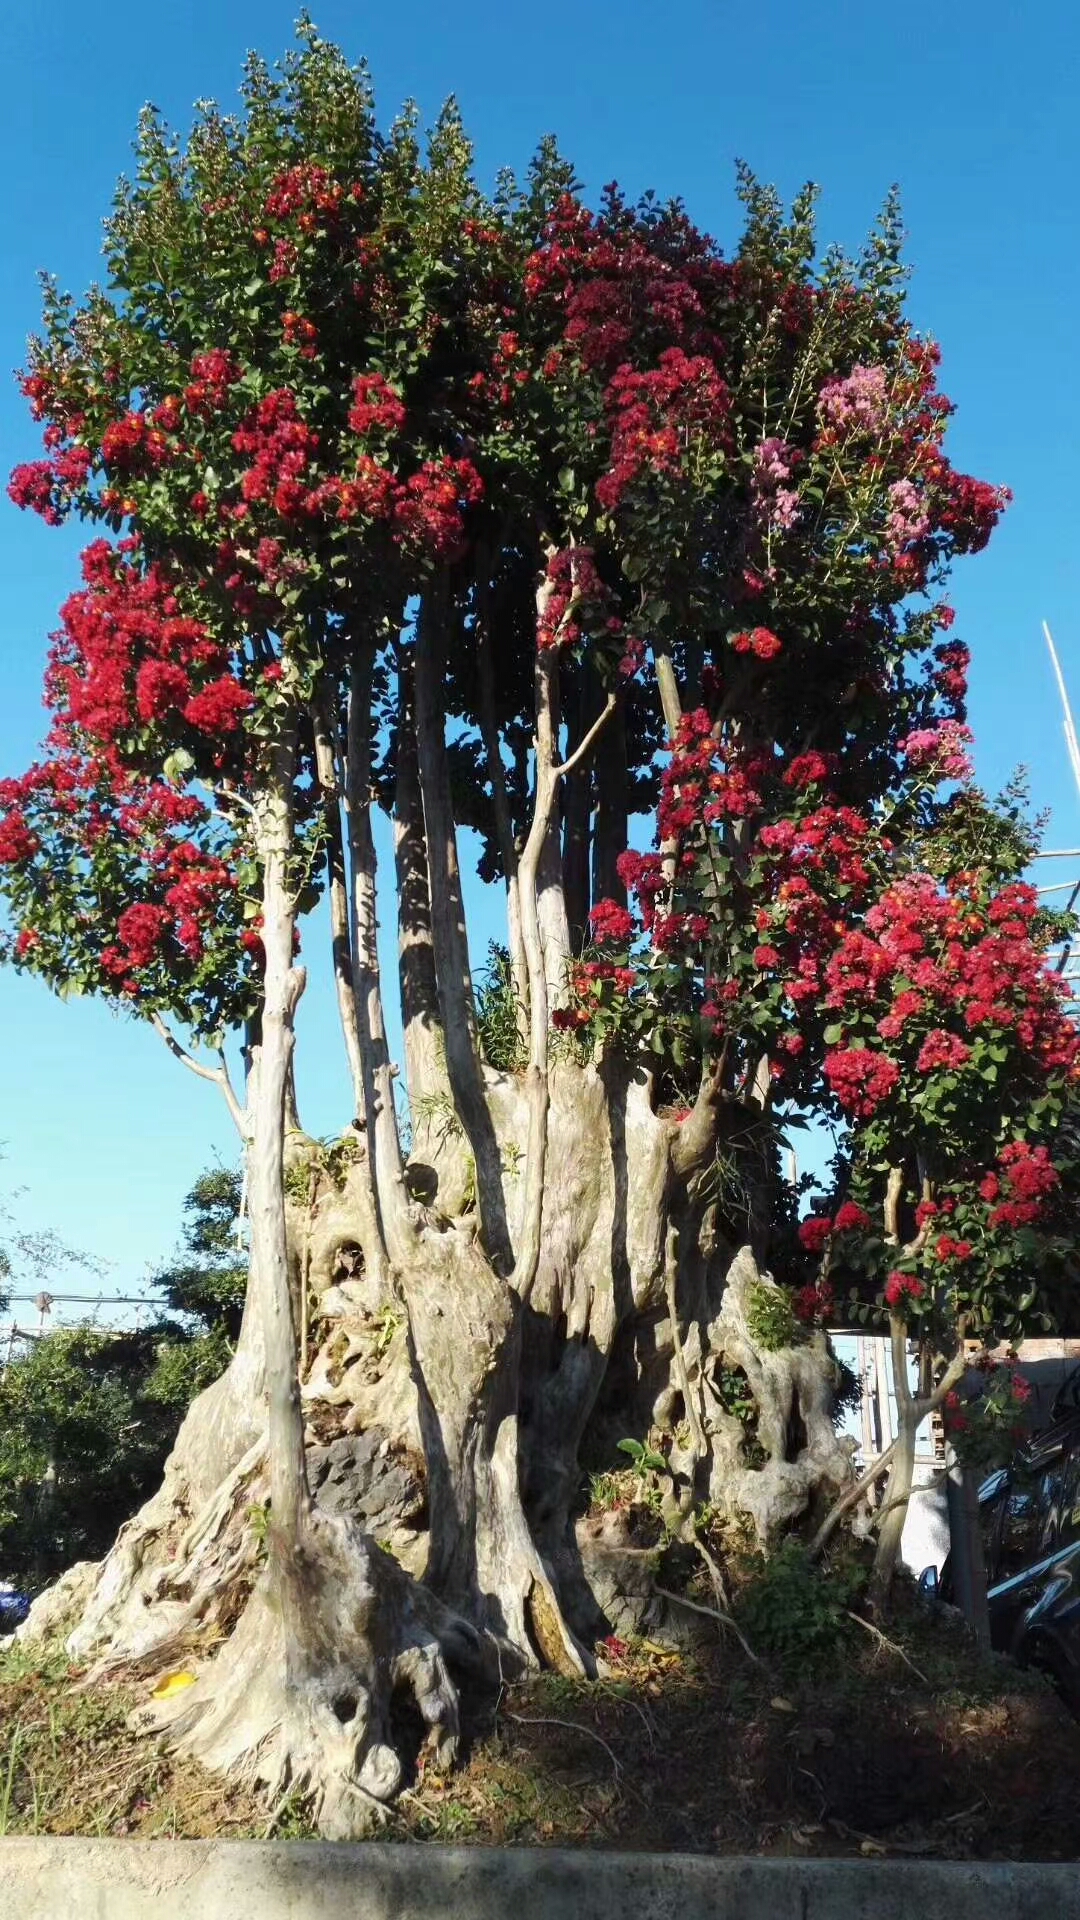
598 1299
504 826
327 773
384 1140
448 928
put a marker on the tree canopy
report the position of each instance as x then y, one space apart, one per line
558 523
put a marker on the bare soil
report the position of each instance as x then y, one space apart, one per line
942 1753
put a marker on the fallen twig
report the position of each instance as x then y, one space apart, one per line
892 1645
713 1613
572 1726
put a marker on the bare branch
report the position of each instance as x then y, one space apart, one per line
954 1372
893 1195
850 1499
504 826
219 1075
384 1143
669 691
898 1338
230 797
712 1613
585 745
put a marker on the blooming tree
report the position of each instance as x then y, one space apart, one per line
560 525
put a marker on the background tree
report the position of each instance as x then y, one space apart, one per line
88 1417
498 512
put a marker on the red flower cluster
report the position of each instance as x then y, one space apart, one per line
816 1232
377 406
861 1080
963 956
941 1049
160 687
370 494
611 923
300 333
305 189
657 417
972 510
282 447
134 445
587 972
141 929
431 508
46 486
901 1288
603 279
17 841
814 1303
1029 1176
220 707
576 601
949 1248
807 770
212 375
951 676
111 631
759 641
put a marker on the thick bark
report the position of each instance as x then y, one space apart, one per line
548 878
384 1141
283 984
312 1665
448 927
425 1043
463 1414
326 768
504 826
582 708
611 831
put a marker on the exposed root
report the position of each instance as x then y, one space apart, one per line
153 1588
298 1700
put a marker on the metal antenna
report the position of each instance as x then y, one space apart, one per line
1071 742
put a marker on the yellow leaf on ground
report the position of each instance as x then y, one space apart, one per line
172 1683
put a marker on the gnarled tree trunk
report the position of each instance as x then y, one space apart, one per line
549 1275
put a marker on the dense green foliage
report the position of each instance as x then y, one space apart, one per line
87 1417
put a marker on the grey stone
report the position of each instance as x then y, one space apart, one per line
46 1879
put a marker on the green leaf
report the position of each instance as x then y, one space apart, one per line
177 766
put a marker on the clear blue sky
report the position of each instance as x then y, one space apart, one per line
971 108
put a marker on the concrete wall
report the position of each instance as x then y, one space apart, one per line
236 1880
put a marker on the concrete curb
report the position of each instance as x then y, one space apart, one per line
282 1880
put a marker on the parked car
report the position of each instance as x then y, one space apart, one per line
1030 1515
14 1607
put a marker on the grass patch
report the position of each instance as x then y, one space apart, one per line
852 1751
69 1763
